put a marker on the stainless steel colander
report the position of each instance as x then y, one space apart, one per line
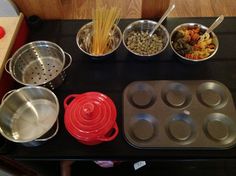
39 63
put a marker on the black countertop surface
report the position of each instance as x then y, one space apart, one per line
112 75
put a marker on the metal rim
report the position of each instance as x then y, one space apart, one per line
22 50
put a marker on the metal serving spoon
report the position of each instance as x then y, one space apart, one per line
215 24
212 27
170 8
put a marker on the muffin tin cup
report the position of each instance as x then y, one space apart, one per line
179 114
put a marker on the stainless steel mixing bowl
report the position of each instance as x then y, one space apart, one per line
84 40
202 28
146 26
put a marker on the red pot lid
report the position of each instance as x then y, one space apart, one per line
89 116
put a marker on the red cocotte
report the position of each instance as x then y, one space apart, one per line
90 117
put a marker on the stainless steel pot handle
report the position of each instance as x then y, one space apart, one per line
7 68
54 134
70 60
7 94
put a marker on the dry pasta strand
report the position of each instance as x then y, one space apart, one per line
104 20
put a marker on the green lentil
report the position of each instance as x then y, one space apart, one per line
141 43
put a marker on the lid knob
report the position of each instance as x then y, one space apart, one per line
88 109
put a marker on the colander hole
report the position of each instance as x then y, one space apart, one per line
39 78
35 82
32 72
43 69
50 75
53 66
49 70
36 68
44 74
45 79
32 78
56 70
38 73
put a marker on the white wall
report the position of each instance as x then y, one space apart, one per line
8 8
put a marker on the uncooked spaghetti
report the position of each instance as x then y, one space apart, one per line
104 20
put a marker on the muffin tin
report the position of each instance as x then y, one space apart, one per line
167 114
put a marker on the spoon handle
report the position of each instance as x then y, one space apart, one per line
170 8
215 24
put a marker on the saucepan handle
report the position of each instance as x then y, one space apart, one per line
113 136
54 134
70 60
7 94
7 67
68 99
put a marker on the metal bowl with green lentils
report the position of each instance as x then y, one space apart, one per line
137 40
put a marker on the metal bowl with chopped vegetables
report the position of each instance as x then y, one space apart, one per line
190 42
137 40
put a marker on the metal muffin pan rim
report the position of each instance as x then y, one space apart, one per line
225 120
214 89
149 133
171 100
134 98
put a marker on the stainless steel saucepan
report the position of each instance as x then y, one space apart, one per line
28 113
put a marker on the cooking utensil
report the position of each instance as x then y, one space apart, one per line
170 8
179 114
90 117
215 24
39 63
26 114
212 27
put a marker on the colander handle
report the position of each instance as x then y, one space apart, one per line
50 137
7 68
7 94
69 98
110 138
70 60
